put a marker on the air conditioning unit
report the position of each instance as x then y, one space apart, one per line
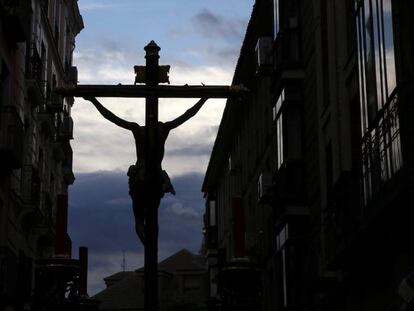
66 128
264 187
263 53
233 165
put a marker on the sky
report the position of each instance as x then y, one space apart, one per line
201 40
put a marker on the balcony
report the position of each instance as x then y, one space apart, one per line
381 150
11 138
36 86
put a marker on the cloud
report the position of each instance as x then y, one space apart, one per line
179 210
101 218
119 201
106 152
100 145
192 151
213 25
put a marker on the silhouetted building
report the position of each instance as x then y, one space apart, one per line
37 39
311 176
182 281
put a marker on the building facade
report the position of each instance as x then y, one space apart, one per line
37 39
309 173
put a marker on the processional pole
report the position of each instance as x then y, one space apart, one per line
152 177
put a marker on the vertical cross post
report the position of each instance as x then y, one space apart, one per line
152 177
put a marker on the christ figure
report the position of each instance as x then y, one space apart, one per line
136 173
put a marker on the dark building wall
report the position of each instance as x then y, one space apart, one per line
339 161
35 153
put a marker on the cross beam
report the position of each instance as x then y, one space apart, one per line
160 91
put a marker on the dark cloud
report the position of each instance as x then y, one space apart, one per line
193 150
213 25
101 218
227 54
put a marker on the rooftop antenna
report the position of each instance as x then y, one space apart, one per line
123 261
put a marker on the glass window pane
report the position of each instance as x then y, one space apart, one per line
389 47
275 18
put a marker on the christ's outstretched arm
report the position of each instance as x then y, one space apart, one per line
110 116
186 115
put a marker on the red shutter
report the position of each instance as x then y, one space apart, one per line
61 245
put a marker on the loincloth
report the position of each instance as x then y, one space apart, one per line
136 181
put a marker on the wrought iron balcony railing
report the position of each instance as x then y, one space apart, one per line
381 149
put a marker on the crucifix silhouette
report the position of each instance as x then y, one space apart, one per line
147 181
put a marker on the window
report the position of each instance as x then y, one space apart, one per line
381 144
375 57
285 15
276 18
278 118
282 237
281 240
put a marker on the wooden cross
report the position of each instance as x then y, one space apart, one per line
151 75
